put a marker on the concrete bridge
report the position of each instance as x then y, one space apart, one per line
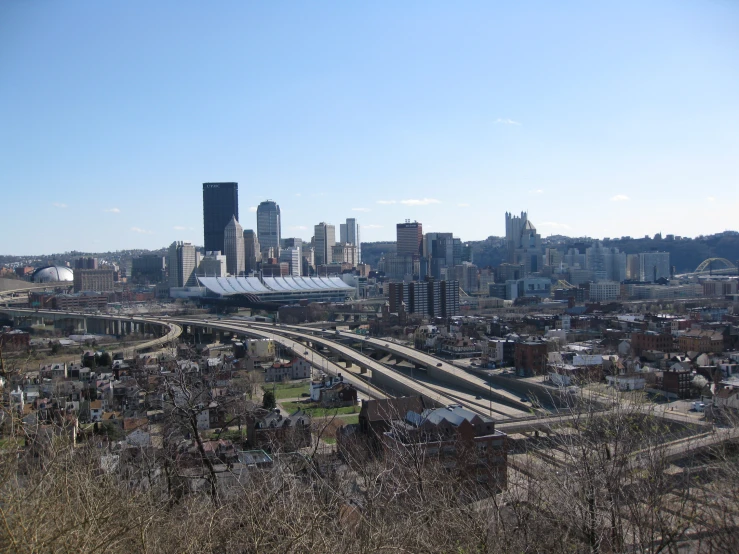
99 324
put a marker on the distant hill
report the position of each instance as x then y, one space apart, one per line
373 251
685 253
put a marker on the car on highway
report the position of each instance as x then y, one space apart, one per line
524 399
438 365
478 397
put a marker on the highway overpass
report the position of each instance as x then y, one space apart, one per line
104 324
436 368
379 374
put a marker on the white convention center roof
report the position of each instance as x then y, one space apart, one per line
229 286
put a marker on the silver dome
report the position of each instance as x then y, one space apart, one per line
52 274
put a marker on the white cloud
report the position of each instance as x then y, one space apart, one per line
463 205
554 225
252 208
141 231
372 226
298 194
386 202
536 191
179 228
361 210
298 228
59 205
620 198
113 211
420 202
711 198
507 121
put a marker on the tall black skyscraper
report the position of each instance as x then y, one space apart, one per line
220 204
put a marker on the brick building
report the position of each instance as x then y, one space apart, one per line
677 382
700 340
649 340
97 280
530 358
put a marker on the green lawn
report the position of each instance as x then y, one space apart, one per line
329 440
350 420
317 411
288 390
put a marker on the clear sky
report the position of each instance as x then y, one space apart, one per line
599 118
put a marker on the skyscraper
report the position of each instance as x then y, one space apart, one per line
234 247
183 259
252 252
654 266
524 243
268 226
349 234
410 238
324 240
220 204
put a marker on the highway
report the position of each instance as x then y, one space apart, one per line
434 366
174 331
320 362
380 372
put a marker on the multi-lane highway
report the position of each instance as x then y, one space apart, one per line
380 373
436 368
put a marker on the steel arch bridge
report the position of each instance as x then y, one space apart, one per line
707 265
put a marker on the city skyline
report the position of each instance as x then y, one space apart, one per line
596 122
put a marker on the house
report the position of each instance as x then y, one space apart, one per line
96 410
376 415
467 444
297 368
627 382
727 398
271 430
221 451
338 395
333 392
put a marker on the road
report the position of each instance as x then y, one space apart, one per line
320 362
378 370
476 384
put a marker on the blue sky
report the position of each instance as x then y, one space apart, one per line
599 118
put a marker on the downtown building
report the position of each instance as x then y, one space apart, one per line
409 238
654 266
252 252
269 228
94 280
183 259
441 252
345 253
213 264
292 255
606 264
523 243
234 247
220 204
432 298
349 234
324 239
148 269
